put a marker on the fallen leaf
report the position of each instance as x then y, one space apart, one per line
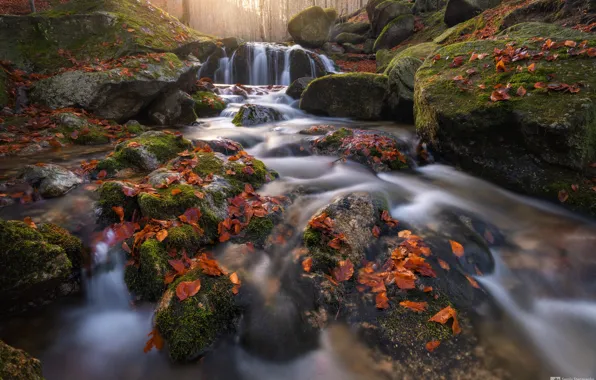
119 211
473 282
574 187
532 67
444 264
427 289
539 85
376 231
563 196
381 300
343 271
415 306
501 66
178 266
570 43
521 91
187 289
456 248
234 278
404 234
432 345
155 340
176 191
102 174
161 235
445 315
335 243
28 221
307 264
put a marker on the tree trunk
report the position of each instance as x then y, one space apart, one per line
186 12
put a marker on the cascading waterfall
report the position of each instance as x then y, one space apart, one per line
328 63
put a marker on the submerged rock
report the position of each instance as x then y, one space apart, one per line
310 27
176 107
16 364
254 114
358 95
395 32
119 93
462 10
297 87
49 179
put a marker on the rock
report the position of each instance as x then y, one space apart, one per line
108 94
383 58
401 73
318 130
302 64
353 215
254 114
420 51
331 14
78 130
30 267
541 29
370 7
190 327
200 49
424 6
98 30
459 11
357 145
50 180
18 365
232 43
146 152
353 49
72 245
395 32
331 48
350 38
358 95
4 95
211 65
172 108
545 134
220 145
208 104
310 27
297 87
369 46
360 28
386 12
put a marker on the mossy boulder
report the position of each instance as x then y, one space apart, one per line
89 29
16 364
525 142
387 11
331 14
304 63
401 73
111 195
30 266
254 114
395 32
310 27
146 279
377 150
360 28
357 95
350 38
420 51
298 86
49 179
459 11
190 327
146 152
208 104
172 108
78 130
424 6
72 245
4 94
119 93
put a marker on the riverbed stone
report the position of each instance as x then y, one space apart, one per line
298 86
310 27
254 114
395 32
49 179
459 11
357 95
16 364
351 38
175 107
386 12
548 135
119 93
425 6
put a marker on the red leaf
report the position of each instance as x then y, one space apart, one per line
415 306
381 300
335 243
155 340
574 187
376 231
457 61
539 85
187 289
119 211
343 271
178 266
28 221
432 345
102 174
563 196
307 264
445 315
521 91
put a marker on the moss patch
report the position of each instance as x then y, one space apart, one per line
208 104
164 205
72 245
147 280
111 195
18 365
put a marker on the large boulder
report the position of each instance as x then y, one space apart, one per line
395 32
16 364
360 28
254 114
401 74
118 93
49 179
79 31
310 27
208 104
304 63
425 6
388 11
350 38
30 266
298 86
462 10
358 95
529 128
175 107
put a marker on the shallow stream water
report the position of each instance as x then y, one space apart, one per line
542 284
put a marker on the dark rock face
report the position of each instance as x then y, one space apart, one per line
401 86
350 38
173 108
298 86
395 32
386 12
310 27
462 10
424 6
16 364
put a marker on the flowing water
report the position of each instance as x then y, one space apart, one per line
542 309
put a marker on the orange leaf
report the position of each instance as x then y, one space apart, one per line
563 196
501 66
521 91
176 191
381 300
539 85
532 67
404 234
102 174
427 289
28 221
234 278
456 248
445 315
473 282
376 231
570 43
119 211
155 340
161 235
432 345
187 289
335 243
444 264
209 265
344 271
307 264
178 266
415 306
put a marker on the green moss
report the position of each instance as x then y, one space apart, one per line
208 104
324 257
189 327
147 280
583 199
335 139
184 237
258 230
18 365
167 206
256 180
72 245
134 128
4 96
111 195
399 20
208 163
110 165
420 51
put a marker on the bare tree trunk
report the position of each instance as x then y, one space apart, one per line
32 5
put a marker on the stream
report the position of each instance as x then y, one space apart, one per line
542 285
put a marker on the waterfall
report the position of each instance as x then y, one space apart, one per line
269 64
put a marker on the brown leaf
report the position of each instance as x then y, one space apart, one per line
521 91
563 196
102 174
28 221
445 315
343 271
456 248
574 187
376 231
432 345
307 264
381 300
161 235
415 306
178 266
539 85
187 289
119 211
155 340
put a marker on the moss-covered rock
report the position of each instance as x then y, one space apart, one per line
77 130
360 28
350 38
420 51
146 279
191 326
164 205
89 29
172 108
145 152
387 11
50 180
395 32
401 73
59 236
462 10
545 131
119 93
298 86
357 95
16 364
310 27
254 114
208 104
111 195
4 95
30 266
331 14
